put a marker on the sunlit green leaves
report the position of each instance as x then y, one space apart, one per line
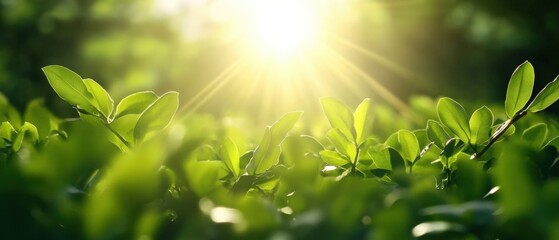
284 174
363 120
124 125
68 85
480 125
436 133
381 157
342 144
27 130
86 94
268 151
453 116
157 116
547 96
146 112
519 89
280 128
339 115
102 101
297 148
333 158
408 145
349 130
7 133
135 103
230 155
15 137
265 156
452 147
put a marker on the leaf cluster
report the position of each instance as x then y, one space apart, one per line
488 174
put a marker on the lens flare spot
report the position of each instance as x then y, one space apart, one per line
280 28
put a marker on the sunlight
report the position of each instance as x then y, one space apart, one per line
284 54
278 28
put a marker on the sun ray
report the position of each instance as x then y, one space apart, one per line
225 78
257 73
374 56
210 86
340 71
383 92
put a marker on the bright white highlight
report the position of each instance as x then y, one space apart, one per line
279 27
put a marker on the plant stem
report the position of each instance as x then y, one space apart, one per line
500 131
354 165
121 138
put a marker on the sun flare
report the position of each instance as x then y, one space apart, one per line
284 54
279 28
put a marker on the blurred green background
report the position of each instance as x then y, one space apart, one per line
463 49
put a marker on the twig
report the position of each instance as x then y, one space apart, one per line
500 131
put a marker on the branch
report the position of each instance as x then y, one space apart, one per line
500 131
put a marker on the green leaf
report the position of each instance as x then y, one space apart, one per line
28 130
480 125
230 154
157 116
547 96
135 103
453 116
204 176
295 148
245 159
265 156
125 126
339 116
342 144
536 135
7 132
381 157
519 89
363 120
452 147
436 133
392 140
553 142
38 115
243 184
68 85
421 135
92 120
409 147
280 128
102 101
458 157
333 158
396 160
268 152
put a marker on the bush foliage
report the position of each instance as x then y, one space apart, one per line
143 170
